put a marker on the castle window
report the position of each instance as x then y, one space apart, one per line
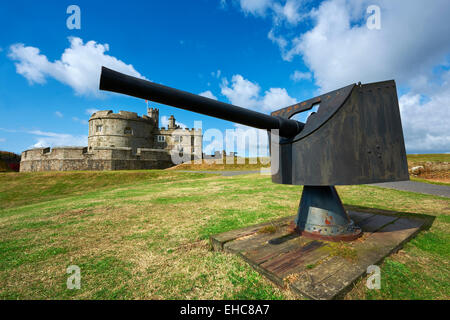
178 138
98 128
128 130
161 138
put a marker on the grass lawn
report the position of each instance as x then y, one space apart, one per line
144 235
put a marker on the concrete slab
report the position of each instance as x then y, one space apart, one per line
317 269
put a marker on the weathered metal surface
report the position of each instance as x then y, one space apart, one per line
357 142
329 102
321 215
315 269
114 81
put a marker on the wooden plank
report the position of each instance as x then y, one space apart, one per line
269 250
313 283
255 240
294 257
278 267
284 256
389 239
335 277
218 240
358 217
376 222
309 259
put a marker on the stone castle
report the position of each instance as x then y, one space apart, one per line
120 141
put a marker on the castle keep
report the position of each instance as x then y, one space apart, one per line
120 141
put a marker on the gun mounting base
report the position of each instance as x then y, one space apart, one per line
321 215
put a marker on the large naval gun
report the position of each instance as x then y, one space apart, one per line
355 137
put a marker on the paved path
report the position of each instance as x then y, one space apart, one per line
413 186
419 187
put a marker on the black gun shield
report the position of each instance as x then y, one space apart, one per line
355 137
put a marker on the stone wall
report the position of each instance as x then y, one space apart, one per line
123 129
102 158
188 140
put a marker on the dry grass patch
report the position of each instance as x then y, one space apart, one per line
149 239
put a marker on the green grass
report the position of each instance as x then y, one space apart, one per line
248 285
43 186
408 281
144 235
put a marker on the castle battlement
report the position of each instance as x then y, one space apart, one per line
126 115
55 153
102 158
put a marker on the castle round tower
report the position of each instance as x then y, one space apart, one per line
123 129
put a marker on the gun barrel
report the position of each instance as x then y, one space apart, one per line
114 81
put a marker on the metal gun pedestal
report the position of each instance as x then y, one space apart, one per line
321 215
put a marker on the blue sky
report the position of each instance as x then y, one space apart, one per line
260 54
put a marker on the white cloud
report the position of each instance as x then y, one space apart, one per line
9 130
58 114
91 111
208 94
279 40
297 76
426 123
339 49
277 98
82 121
246 141
165 122
288 12
404 49
216 74
242 92
79 66
255 7
51 139
246 94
